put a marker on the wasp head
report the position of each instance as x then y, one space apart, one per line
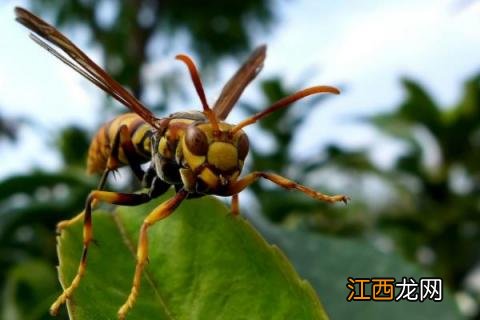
213 152
213 156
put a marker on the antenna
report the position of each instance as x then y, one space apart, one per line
284 103
197 82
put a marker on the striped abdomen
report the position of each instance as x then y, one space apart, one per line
100 149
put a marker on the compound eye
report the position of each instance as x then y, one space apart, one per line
243 146
196 141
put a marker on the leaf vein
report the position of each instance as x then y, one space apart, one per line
130 244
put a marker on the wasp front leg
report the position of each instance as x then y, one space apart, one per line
159 213
122 140
235 206
128 199
283 182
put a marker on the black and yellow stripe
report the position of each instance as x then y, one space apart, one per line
100 149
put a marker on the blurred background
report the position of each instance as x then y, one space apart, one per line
402 140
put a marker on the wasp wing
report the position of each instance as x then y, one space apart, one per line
237 84
80 62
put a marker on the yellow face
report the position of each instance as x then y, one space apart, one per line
212 159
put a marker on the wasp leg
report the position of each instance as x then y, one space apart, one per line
241 184
128 199
130 153
234 206
159 213
122 139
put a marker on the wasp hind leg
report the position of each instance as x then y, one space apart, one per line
283 182
122 139
128 199
159 213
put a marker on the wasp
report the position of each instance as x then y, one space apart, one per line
196 152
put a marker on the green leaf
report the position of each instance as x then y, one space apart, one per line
204 264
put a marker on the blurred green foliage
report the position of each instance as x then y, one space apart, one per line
432 218
443 216
326 262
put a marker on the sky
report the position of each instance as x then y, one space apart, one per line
364 47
